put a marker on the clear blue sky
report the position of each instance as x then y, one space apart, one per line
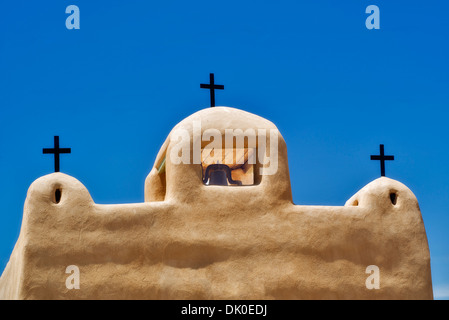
114 89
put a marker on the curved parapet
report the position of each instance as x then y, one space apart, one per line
177 171
48 200
385 194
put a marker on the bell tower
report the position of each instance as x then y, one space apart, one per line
218 150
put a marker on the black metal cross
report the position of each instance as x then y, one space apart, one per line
382 157
56 151
212 86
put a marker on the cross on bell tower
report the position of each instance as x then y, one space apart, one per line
212 86
56 151
382 157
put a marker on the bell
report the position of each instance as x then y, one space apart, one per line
219 175
218 178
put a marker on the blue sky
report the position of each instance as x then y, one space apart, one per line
113 90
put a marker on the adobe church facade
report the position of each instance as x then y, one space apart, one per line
219 225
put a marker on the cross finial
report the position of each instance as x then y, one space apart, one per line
56 151
382 157
212 86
